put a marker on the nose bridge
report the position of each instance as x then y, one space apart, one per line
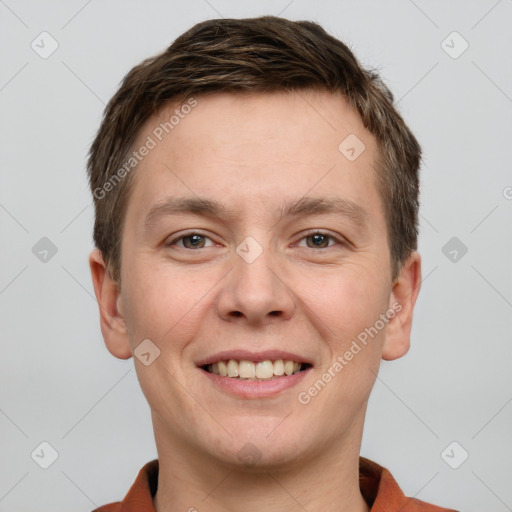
255 290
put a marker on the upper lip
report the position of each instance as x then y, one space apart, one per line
247 355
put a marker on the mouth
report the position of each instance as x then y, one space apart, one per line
247 370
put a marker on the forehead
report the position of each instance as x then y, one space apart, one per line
249 148
243 121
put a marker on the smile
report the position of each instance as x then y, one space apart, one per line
261 370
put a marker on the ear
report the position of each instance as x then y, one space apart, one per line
402 300
110 302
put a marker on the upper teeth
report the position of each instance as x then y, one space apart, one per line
249 370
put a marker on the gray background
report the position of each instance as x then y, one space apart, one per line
59 384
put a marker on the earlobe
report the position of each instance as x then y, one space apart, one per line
112 321
402 300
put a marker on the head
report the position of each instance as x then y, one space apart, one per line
255 189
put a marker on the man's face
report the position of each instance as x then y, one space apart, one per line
244 277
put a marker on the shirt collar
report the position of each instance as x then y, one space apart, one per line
378 488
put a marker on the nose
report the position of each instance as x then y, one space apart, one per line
255 292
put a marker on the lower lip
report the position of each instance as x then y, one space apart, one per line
256 388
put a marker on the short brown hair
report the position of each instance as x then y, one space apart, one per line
264 54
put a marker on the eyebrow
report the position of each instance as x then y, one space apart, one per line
337 205
301 207
184 205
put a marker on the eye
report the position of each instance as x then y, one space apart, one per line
191 241
319 240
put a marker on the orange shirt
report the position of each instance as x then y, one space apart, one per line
378 488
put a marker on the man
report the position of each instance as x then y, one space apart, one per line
256 201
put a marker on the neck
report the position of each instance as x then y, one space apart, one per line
197 482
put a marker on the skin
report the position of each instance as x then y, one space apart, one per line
251 153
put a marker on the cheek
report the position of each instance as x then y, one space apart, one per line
164 305
354 343
352 301
352 308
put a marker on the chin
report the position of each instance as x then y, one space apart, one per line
261 449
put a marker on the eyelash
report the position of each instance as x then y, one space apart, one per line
307 235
